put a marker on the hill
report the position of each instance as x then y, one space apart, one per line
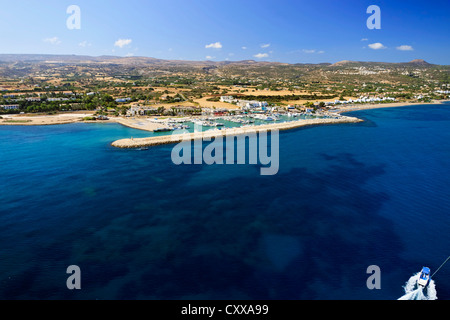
347 63
272 74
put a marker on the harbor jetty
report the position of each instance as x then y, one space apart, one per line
209 134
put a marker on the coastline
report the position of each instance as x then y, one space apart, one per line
386 105
145 125
44 120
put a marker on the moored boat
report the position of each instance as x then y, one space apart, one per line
163 130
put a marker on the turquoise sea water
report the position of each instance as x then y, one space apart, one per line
346 197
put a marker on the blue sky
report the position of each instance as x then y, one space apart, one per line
294 31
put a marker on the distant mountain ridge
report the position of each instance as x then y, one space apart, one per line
419 62
51 58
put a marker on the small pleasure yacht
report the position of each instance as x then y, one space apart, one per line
424 278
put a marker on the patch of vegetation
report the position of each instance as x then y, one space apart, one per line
17 121
89 119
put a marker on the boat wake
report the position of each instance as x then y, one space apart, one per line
415 292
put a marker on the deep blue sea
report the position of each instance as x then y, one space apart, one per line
139 227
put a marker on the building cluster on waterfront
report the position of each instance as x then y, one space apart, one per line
138 110
245 104
363 99
141 111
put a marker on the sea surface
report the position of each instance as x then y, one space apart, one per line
346 197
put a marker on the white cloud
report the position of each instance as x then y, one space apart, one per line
216 45
311 51
405 48
129 54
376 46
244 48
84 44
261 55
122 43
210 58
54 40
265 45
364 39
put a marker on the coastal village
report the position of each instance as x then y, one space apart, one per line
215 98
240 112
233 112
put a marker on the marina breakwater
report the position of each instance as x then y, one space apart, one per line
176 138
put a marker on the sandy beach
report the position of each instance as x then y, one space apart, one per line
139 123
65 118
42 120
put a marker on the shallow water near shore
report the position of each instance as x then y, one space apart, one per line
346 197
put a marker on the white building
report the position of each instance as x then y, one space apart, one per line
140 111
228 99
119 100
33 99
57 99
244 104
10 107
